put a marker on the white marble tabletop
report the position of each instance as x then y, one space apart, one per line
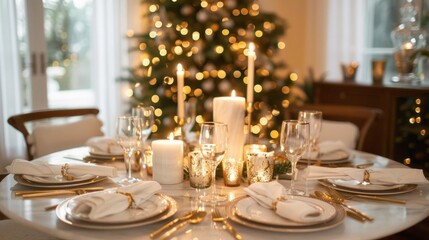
390 218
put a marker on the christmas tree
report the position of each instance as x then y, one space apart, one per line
210 38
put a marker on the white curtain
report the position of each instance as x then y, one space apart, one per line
11 143
335 35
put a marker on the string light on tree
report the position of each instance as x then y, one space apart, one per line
211 39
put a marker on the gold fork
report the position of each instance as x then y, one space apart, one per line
219 215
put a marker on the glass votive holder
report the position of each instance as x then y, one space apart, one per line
148 161
260 167
231 171
251 148
199 170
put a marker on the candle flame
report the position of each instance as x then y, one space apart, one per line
233 93
179 67
251 47
408 45
171 136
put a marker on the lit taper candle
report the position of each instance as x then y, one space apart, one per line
250 72
180 84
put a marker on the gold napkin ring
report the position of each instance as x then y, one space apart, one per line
65 174
366 177
129 196
274 203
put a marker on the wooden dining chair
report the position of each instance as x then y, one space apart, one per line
52 130
362 117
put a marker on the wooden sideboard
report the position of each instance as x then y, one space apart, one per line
403 129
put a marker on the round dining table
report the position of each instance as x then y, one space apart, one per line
389 217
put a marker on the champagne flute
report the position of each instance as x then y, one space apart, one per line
294 140
314 118
146 120
145 114
127 136
213 142
190 112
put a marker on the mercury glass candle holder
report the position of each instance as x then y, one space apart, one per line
231 171
260 167
199 170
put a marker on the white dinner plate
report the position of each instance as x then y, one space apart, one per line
150 208
250 210
338 218
58 179
404 189
339 156
19 179
356 185
98 153
61 212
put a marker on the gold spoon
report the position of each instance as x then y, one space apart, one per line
329 198
196 218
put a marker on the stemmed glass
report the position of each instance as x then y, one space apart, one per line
127 136
145 114
214 143
294 140
314 118
190 112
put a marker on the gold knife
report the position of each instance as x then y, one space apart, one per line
186 216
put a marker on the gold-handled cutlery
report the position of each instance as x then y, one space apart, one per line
220 216
46 193
348 212
335 193
186 216
329 198
195 218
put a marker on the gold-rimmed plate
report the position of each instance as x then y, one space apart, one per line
398 190
62 215
58 179
340 214
152 207
250 210
19 179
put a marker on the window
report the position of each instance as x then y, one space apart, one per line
382 17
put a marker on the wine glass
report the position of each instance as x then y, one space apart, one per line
294 140
213 143
314 118
145 114
147 120
190 112
127 136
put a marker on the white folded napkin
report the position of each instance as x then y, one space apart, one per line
326 147
105 145
272 194
112 201
43 169
379 176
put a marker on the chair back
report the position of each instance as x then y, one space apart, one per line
43 134
362 117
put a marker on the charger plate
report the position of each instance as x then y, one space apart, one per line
58 179
340 214
19 179
61 212
399 190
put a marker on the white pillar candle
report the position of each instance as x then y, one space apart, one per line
230 110
180 85
167 161
250 72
